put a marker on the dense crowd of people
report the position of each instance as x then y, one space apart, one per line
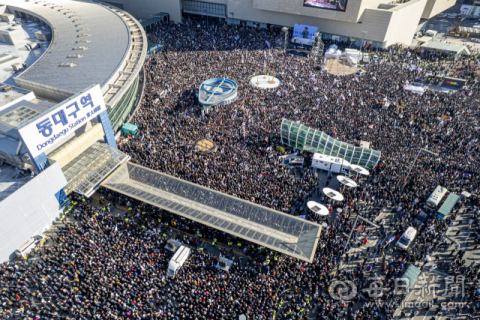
103 266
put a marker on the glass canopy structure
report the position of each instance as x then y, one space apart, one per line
85 172
308 139
273 229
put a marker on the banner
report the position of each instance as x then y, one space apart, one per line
45 132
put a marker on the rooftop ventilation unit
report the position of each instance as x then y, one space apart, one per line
84 35
80 48
84 41
70 56
68 65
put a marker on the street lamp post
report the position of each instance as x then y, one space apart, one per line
355 224
363 40
351 232
415 160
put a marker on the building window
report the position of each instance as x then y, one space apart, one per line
204 7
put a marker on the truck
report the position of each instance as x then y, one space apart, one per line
435 199
178 260
329 163
173 245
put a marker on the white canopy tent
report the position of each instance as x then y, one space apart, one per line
332 194
318 208
359 170
347 182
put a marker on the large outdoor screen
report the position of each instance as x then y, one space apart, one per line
304 32
338 5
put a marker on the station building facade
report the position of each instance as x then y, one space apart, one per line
380 22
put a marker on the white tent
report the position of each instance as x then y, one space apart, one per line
317 208
332 194
359 170
347 182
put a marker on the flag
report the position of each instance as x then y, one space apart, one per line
371 126
266 139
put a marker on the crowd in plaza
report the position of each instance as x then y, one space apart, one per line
102 266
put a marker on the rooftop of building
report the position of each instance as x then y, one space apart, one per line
445 47
91 43
17 106
19 53
102 34
11 179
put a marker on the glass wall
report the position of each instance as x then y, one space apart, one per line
124 107
308 139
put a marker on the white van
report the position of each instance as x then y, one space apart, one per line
178 260
435 198
25 249
407 238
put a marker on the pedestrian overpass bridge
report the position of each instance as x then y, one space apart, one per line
270 228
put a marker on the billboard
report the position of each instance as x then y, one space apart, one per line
453 83
337 5
304 32
52 127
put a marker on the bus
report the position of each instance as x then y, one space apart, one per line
435 198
